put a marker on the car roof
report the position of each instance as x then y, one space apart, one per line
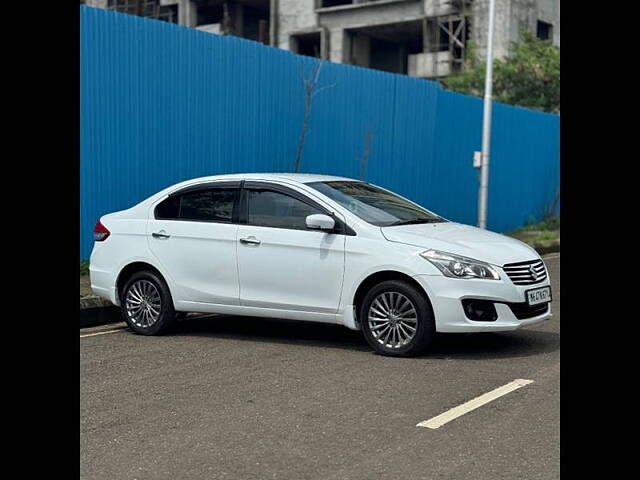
292 177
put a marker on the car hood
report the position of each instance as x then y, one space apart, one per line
462 240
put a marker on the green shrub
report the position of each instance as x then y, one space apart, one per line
84 267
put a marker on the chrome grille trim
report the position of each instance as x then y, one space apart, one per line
520 272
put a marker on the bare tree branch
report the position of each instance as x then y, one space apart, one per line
310 85
323 88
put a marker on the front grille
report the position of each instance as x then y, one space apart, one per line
522 273
523 311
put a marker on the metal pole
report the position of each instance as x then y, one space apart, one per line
486 124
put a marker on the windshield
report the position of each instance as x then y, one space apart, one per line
375 205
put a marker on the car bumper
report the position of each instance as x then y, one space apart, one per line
446 295
102 277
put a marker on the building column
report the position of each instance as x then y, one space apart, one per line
96 3
338 46
273 23
187 13
238 18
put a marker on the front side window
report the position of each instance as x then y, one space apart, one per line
213 205
375 205
267 208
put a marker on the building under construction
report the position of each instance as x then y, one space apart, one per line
420 38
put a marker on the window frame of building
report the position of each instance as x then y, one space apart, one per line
542 26
324 42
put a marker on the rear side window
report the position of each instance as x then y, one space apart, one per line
213 205
277 210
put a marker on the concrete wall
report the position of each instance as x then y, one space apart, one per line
96 3
299 16
338 19
294 16
369 14
549 11
480 23
511 16
433 8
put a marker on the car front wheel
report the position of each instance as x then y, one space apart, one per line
397 319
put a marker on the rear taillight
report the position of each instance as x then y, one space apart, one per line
100 232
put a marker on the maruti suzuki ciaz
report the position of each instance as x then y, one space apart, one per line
317 248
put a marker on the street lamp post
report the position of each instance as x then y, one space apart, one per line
486 124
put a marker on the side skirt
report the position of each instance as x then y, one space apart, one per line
258 312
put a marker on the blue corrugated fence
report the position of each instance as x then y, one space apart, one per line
161 103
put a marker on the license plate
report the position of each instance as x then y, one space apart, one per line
538 295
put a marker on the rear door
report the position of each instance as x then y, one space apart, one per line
281 263
193 234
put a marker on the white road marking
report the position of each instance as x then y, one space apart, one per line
103 332
437 422
551 255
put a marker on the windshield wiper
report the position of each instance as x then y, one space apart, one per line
415 221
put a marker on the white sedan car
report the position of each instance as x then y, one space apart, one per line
316 248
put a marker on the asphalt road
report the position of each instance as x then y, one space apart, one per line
230 398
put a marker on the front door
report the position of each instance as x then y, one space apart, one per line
281 263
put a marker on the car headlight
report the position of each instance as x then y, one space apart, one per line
455 266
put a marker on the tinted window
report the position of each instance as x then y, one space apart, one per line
169 209
215 205
277 210
208 205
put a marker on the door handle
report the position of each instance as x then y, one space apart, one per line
250 241
160 234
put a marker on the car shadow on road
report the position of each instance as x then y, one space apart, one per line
521 343
93 317
518 343
273 331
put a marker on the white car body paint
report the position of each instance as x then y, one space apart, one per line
305 275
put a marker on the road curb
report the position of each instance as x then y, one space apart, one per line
92 317
96 311
93 301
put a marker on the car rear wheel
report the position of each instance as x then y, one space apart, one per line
146 304
397 319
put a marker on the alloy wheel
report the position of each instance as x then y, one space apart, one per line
393 320
143 304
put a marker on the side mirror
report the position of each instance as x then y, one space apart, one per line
321 222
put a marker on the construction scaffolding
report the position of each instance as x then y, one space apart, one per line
445 39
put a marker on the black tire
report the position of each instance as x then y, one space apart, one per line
167 315
424 329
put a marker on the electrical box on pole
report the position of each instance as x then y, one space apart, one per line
477 159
